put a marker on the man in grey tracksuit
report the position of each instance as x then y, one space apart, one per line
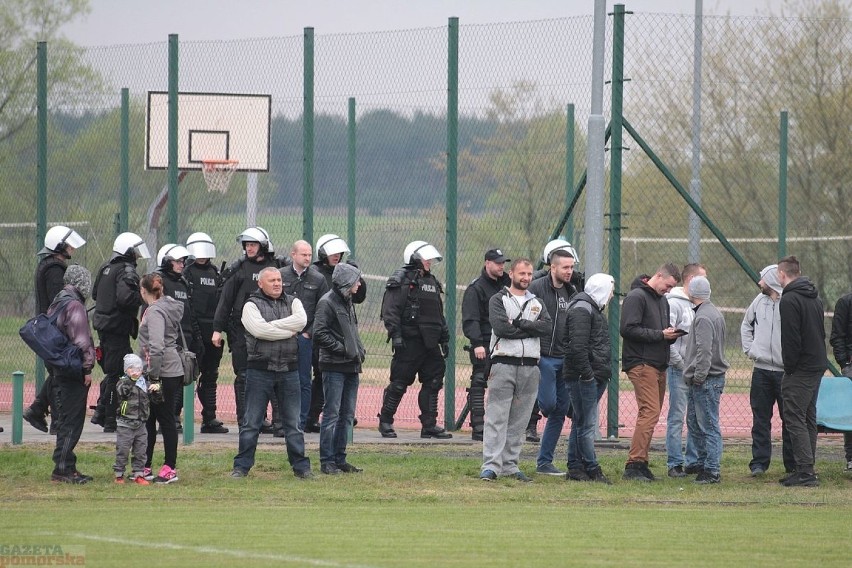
518 319
760 333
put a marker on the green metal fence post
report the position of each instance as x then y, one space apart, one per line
308 138
352 155
41 165
124 198
17 407
782 188
569 171
452 212
615 211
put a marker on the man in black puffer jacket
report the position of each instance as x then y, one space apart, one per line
340 356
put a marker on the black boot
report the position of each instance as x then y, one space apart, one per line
390 402
386 428
428 400
476 404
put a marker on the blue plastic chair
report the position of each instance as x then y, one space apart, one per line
834 404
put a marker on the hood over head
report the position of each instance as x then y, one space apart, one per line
599 287
344 277
769 275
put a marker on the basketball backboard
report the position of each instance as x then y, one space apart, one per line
211 126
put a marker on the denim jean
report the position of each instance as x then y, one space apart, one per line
764 394
703 419
261 386
584 406
553 401
306 351
678 394
340 391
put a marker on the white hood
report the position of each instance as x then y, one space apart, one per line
599 287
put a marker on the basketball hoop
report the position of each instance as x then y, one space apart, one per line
218 173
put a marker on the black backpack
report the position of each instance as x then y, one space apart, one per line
42 336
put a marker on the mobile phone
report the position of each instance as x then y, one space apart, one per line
681 331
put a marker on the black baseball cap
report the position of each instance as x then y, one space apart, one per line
496 255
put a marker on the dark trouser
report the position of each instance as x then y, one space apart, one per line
799 391
72 413
163 414
338 414
239 361
317 391
765 393
416 360
535 416
476 392
847 445
45 400
207 380
114 348
306 358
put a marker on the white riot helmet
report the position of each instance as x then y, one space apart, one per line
200 245
328 245
420 250
130 243
170 252
256 235
559 244
60 237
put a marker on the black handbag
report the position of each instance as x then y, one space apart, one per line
189 361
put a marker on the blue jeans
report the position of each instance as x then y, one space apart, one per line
553 401
341 393
584 406
260 388
678 395
704 421
306 352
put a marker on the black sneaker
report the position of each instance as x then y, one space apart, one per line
677 471
304 474
435 432
706 478
88 478
787 476
386 430
757 471
487 475
646 471
239 473
575 474
347 467
633 472
597 475
330 469
214 428
74 478
801 480
35 420
693 469
520 476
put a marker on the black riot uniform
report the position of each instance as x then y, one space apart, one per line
117 301
413 313
204 284
477 329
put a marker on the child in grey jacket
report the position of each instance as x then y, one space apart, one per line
131 416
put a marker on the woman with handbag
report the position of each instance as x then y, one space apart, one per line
158 336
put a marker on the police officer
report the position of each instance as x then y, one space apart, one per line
330 252
302 280
477 329
204 282
117 301
240 280
414 317
171 262
60 242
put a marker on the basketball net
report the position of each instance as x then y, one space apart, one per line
218 173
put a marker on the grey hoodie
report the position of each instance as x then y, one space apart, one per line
681 313
760 331
705 345
158 338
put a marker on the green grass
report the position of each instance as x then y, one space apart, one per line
421 506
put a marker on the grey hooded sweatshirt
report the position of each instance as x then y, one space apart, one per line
681 313
760 331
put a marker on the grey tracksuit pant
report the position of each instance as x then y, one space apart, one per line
130 435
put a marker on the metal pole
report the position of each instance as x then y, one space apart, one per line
17 407
595 151
308 138
124 144
782 188
251 199
694 247
41 165
569 170
452 213
350 202
173 138
615 211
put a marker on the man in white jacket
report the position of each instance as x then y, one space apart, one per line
518 320
760 333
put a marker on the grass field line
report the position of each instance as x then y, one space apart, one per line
242 554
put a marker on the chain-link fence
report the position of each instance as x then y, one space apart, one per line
516 81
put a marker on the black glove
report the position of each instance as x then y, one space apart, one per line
397 343
847 371
445 349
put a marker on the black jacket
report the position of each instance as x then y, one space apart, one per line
587 346
475 324
412 307
49 281
556 301
644 316
841 331
336 334
309 287
802 331
117 297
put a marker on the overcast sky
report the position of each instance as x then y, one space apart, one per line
113 22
